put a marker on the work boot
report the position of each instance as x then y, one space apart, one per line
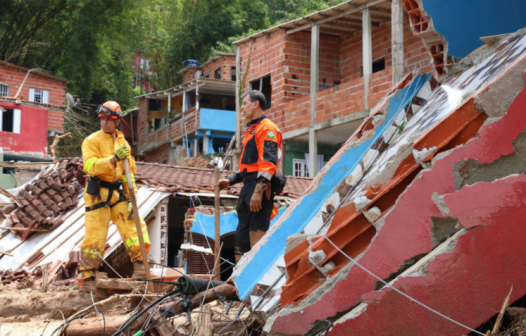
138 270
88 285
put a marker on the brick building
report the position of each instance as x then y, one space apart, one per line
31 110
319 110
195 117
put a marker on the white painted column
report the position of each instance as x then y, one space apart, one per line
397 40
184 102
367 54
206 144
169 102
314 86
183 126
196 147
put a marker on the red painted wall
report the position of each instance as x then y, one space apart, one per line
33 130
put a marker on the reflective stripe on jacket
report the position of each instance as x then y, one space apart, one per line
98 150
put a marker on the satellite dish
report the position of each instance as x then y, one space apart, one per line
70 99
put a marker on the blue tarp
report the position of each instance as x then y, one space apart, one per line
205 224
464 22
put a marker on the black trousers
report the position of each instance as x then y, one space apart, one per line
248 220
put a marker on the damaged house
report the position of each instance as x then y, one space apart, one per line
414 226
31 110
193 118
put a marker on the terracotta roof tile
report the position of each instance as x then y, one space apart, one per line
55 192
185 179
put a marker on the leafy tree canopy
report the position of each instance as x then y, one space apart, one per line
92 42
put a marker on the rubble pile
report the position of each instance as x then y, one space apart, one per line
410 228
42 202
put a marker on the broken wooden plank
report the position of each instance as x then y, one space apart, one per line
118 284
7 254
501 313
7 194
24 165
205 325
104 327
23 229
489 40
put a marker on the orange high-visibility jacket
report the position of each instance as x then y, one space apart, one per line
261 148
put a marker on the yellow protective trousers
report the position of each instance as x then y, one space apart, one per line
97 224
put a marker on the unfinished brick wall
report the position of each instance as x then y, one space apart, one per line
13 76
55 120
416 56
223 62
159 155
262 56
189 74
287 59
297 60
142 125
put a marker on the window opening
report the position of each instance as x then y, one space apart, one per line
300 168
4 90
264 84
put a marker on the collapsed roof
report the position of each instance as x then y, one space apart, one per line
425 182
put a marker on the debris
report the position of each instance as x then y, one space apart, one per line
501 313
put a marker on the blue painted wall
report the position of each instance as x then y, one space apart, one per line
218 120
205 224
464 22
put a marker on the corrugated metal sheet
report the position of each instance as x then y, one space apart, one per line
56 245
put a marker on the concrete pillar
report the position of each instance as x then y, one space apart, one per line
397 32
314 86
184 102
205 144
196 147
367 54
235 158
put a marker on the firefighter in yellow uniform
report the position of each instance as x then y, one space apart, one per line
107 196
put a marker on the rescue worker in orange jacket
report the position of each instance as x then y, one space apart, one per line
259 160
107 196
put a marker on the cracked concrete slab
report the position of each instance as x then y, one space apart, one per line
409 223
467 280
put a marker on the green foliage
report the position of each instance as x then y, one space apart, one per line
92 42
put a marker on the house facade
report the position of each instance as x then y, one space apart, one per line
324 73
193 118
32 109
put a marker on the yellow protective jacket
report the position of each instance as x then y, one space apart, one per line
98 154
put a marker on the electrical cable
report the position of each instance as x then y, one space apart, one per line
99 313
399 291
73 319
134 317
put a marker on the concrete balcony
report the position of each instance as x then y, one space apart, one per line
192 125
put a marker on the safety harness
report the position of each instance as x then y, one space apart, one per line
111 187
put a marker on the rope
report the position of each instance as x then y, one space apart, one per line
402 293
